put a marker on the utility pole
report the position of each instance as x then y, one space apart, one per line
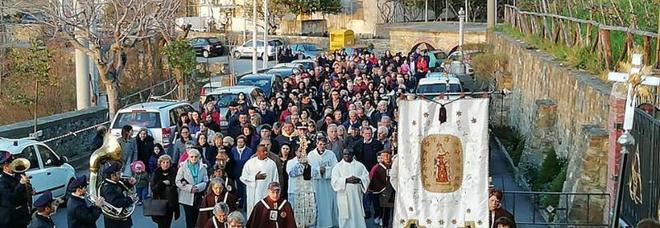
461 19
265 55
491 17
82 72
426 11
254 36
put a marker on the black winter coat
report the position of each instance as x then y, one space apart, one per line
162 190
79 214
14 202
144 149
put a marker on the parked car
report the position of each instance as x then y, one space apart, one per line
307 64
433 87
245 49
458 68
284 72
48 170
211 45
225 95
270 84
159 118
215 82
440 75
307 50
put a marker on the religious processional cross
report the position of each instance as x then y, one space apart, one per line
635 79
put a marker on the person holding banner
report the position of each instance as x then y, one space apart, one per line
350 180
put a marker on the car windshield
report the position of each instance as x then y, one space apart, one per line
140 119
455 88
262 83
432 88
223 100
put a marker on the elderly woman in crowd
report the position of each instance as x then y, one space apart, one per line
219 219
235 220
191 179
163 187
216 194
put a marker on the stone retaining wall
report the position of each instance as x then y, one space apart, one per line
558 108
75 147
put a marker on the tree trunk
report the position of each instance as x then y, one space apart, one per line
112 89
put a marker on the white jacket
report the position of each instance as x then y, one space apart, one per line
184 182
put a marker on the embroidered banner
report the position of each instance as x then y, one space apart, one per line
442 168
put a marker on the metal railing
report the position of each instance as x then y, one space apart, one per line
144 94
573 209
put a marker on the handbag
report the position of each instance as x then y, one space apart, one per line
155 207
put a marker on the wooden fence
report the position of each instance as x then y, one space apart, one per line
574 32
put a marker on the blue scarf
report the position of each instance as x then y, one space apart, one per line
194 171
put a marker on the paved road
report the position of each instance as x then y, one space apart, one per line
503 178
241 66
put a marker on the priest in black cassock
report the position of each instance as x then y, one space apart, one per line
272 211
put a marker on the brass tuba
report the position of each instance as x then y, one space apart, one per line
109 151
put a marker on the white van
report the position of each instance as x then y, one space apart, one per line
158 117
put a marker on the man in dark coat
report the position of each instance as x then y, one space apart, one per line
272 211
239 155
113 193
14 200
79 214
366 152
45 209
495 207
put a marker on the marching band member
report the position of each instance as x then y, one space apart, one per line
15 194
78 214
46 207
113 193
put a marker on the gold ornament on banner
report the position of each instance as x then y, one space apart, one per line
442 163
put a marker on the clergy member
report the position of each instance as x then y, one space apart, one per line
380 186
257 173
272 211
350 180
301 189
322 161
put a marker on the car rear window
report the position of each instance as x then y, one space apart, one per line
139 119
214 40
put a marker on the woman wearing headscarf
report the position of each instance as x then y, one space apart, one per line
214 195
163 187
191 180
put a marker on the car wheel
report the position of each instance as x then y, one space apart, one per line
206 53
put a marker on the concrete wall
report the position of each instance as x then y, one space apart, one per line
75 147
556 107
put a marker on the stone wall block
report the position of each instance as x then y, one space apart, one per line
542 134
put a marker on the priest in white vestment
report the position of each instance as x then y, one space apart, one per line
257 173
322 161
350 180
301 189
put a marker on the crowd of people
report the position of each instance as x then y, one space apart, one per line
315 154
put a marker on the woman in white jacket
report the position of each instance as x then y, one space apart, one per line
191 180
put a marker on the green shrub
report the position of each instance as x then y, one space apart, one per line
556 185
549 169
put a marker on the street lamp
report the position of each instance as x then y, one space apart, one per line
254 36
461 19
206 67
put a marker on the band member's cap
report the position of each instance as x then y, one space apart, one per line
5 157
274 186
78 183
44 200
112 169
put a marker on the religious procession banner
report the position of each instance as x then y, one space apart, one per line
442 168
